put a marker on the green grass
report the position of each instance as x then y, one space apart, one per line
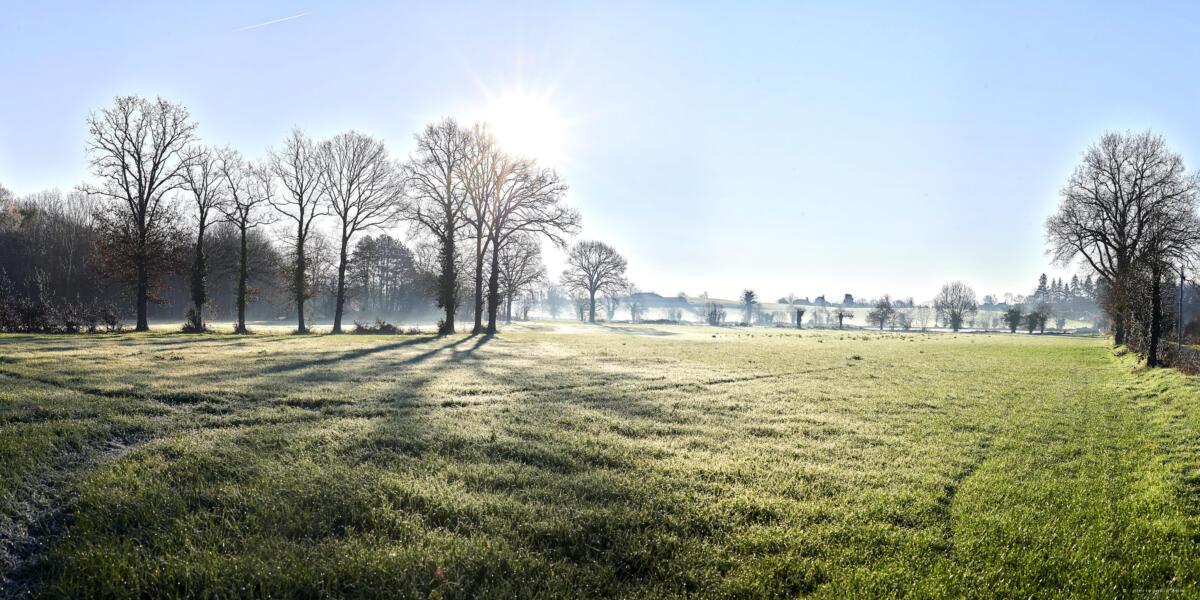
575 461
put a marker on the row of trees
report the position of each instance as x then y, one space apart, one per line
479 215
49 254
954 304
458 188
1128 211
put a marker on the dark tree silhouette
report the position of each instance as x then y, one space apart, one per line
954 303
203 181
520 269
480 173
1172 239
525 200
883 312
364 190
841 314
594 267
1107 208
248 188
1012 318
139 153
433 177
298 171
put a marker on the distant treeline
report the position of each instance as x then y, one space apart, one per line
48 251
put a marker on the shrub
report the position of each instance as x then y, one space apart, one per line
379 327
111 319
194 321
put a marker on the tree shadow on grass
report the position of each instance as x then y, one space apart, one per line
359 353
638 330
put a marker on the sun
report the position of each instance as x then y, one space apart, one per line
528 124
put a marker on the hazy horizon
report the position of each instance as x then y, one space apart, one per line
791 149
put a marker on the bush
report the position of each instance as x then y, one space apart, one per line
379 327
43 313
70 316
111 319
194 322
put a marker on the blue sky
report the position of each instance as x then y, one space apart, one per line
814 148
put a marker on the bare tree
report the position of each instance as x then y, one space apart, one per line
594 267
799 316
955 302
520 270
248 189
481 172
139 152
364 190
633 301
841 314
921 317
527 200
1173 237
297 169
883 312
1107 207
580 299
202 179
433 177
610 303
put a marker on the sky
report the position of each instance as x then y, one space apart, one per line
792 147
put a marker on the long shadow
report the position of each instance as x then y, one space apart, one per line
422 357
462 355
638 330
353 354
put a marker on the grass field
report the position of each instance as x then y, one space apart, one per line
576 461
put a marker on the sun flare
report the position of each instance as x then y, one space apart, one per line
528 124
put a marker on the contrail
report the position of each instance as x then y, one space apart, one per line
271 22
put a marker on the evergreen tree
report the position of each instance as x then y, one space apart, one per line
1042 291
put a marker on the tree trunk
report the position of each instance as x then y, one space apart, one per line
478 282
448 281
494 290
143 284
799 320
199 290
243 276
341 289
1118 298
1155 317
591 306
298 286
508 309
